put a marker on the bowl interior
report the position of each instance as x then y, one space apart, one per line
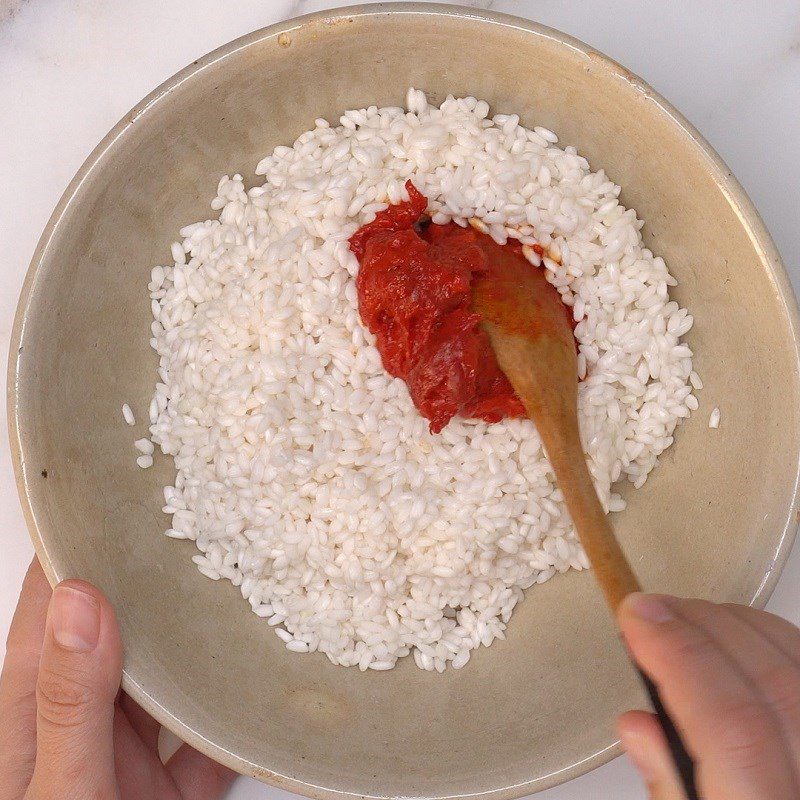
530 711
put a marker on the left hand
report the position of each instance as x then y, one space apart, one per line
65 729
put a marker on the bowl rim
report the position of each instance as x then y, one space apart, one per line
749 218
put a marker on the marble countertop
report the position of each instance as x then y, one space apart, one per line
72 68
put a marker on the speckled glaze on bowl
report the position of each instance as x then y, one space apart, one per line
716 519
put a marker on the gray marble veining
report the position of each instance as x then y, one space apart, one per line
8 8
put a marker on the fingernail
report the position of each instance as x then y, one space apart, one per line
637 748
649 607
75 617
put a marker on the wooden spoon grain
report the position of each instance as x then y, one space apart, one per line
533 341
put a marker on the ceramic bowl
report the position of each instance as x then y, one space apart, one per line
716 519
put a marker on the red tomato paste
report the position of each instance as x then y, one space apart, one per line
414 295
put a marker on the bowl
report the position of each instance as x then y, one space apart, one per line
716 519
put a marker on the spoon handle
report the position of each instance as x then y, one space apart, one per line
614 574
610 566
682 760
542 371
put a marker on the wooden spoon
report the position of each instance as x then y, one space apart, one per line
531 336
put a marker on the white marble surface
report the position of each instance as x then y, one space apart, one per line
71 68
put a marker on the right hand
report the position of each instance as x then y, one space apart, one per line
729 677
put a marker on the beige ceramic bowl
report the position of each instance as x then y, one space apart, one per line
716 519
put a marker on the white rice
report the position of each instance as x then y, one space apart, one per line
144 446
127 414
714 418
304 474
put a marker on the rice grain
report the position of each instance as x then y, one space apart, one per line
303 472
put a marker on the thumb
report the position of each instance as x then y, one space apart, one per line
79 675
647 747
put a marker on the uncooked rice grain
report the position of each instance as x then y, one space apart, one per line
127 414
304 474
144 446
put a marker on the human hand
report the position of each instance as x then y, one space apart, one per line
66 730
729 677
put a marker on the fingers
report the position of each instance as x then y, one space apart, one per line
141 722
18 684
57 702
782 634
79 675
140 773
772 672
724 721
645 744
197 776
